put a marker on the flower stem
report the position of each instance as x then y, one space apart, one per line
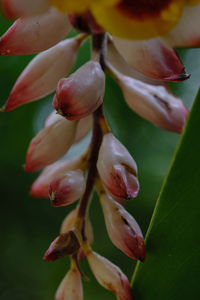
99 128
99 42
97 136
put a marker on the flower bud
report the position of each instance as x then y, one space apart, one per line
35 34
154 103
70 287
40 187
153 58
122 228
50 144
67 188
117 169
41 76
65 244
117 62
110 276
82 93
83 127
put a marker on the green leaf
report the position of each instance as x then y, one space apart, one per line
171 269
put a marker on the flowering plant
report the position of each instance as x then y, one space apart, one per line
140 68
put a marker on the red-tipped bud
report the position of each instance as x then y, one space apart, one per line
82 93
110 276
20 8
67 188
35 34
117 62
65 244
154 103
153 58
71 286
42 74
122 229
40 187
117 169
50 144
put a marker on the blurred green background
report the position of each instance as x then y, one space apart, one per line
28 225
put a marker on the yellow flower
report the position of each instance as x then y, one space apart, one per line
138 19
78 6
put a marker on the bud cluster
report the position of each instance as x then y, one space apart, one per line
78 102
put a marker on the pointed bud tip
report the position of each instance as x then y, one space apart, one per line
183 76
27 168
10 104
49 256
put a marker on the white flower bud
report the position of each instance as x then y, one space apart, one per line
117 169
153 103
35 34
110 276
153 58
122 228
70 287
82 93
41 184
50 144
42 74
67 188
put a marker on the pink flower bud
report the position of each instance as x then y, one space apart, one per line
67 188
117 61
83 127
153 58
117 169
110 276
50 144
154 103
42 74
82 93
40 187
70 287
19 8
122 228
35 34
65 244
